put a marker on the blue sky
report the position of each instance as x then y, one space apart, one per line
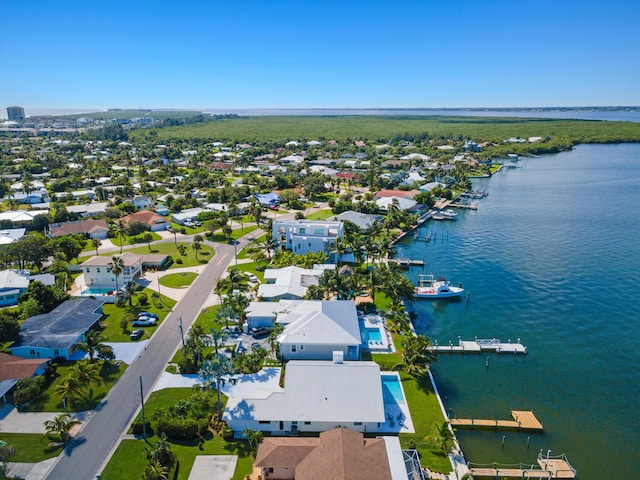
297 54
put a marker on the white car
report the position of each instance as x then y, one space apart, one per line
144 322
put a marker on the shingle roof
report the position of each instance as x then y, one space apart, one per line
60 327
86 226
338 454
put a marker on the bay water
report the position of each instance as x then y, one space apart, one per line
551 257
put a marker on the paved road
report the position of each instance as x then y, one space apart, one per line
83 458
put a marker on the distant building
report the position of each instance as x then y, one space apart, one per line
16 114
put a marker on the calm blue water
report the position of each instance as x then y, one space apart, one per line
552 256
391 390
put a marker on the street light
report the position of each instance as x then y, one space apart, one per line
235 251
181 331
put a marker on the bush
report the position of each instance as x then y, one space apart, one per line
178 428
9 329
187 365
136 427
143 299
179 261
27 389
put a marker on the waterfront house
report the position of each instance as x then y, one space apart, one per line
318 396
362 220
58 333
289 283
304 236
316 329
338 454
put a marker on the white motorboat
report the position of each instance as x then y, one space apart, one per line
436 288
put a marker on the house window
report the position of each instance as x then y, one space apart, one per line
98 270
32 352
264 422
303 230
108 269
87 270
270 469
293 348
294 424
307 423
318 231
301 347
357 423
56 352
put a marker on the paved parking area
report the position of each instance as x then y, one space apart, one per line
213 467
127 351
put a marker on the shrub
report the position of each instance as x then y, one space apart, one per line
27 389
143 299
178 428
136 427
179 261
9 329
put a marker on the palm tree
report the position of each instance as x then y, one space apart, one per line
117 267
217 371
398 288
95 242
443 438
121 231
93 344
129 289
69 389
147 237
86 374
156 471
60 425
417 355
254 437
237 280
197 241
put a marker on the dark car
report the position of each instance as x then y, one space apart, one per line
255 346
136 334
260 332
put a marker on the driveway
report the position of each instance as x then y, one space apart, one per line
213 467
13 421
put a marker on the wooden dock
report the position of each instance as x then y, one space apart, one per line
522 420
480 345
547 468
406 262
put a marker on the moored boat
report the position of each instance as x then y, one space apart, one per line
436 288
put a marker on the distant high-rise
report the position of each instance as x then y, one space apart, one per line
16 114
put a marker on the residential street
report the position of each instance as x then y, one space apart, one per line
85 456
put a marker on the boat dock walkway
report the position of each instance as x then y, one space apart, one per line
547 468
482 345
406 262
522 420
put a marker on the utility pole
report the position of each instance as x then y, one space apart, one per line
144 422
181 331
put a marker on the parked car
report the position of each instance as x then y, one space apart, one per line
136 334
255 346
148 314
169 228
260 332
196 223
234 330
144 322
189 223
252 278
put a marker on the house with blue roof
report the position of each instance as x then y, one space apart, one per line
58 333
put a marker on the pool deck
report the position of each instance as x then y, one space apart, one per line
384 345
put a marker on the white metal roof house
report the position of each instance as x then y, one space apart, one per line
288 283
14 283
304 236
97 270
57 333
318 396
315 329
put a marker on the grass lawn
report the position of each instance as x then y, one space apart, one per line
128 459
178 280
188 260
30 447
118 240
321 215
112 315
426 416
236 233
90 398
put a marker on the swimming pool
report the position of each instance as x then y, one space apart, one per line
96 291
392 390
373 334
